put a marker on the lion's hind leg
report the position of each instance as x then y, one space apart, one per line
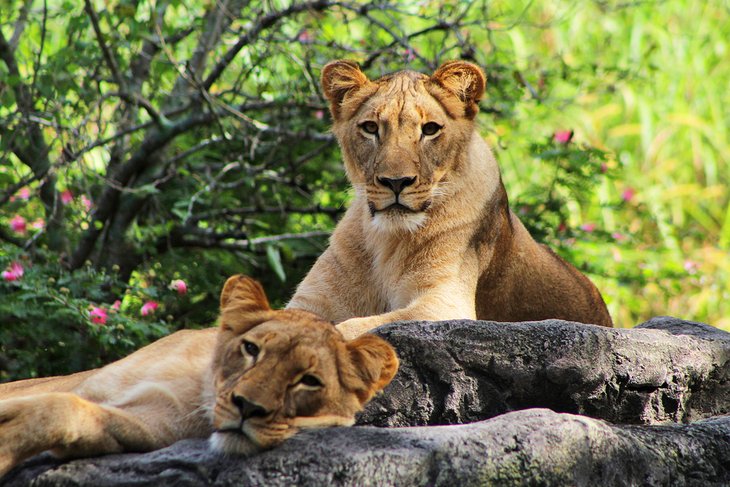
67 425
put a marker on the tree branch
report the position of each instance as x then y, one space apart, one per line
33 152
20 24
10 239
254 210
12 189
252 33
121 177
181 241
108 56
137 99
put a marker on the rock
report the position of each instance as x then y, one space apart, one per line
531 447
664 371
455 372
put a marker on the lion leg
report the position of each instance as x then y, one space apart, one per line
69 426
449 301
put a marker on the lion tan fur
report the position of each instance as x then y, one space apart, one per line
198 383
429 234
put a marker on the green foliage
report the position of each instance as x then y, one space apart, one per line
144 142
47 324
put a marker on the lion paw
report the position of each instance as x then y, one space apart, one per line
355 327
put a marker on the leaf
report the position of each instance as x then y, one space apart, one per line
273 256
147 190
6 179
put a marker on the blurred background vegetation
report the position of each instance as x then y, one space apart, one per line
151 148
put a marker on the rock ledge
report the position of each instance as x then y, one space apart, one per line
500 378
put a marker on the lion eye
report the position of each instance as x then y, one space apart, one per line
369 127
310 381
250 348
430 128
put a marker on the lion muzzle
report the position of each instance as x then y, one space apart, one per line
247 408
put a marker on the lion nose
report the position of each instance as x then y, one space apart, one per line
247 408
397 184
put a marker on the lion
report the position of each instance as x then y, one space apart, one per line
429 234
256 380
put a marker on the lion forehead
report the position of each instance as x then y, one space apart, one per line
402 98
289 333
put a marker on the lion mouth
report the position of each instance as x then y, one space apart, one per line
230 431
398 208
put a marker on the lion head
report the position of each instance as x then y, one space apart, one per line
277 372
403 135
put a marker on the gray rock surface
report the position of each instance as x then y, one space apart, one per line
664 371
531 447
455 372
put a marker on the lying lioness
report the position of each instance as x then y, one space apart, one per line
252 383
429 234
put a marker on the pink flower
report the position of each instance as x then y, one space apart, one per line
628 194
180 286
148 308
117 304
14 272
98 315
18 224
86 202
409 55
691 266
67 197
319 114
563 136
23 194
588 227
38 224
619 237
305 37
604 168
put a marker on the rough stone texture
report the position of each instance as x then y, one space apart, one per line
455 372
460 372
532 447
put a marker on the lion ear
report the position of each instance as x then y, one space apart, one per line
242 299
340 78
465 80
375 364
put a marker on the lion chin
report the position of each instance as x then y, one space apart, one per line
233 443
397 218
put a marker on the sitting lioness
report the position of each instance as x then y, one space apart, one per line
429 234
252 383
